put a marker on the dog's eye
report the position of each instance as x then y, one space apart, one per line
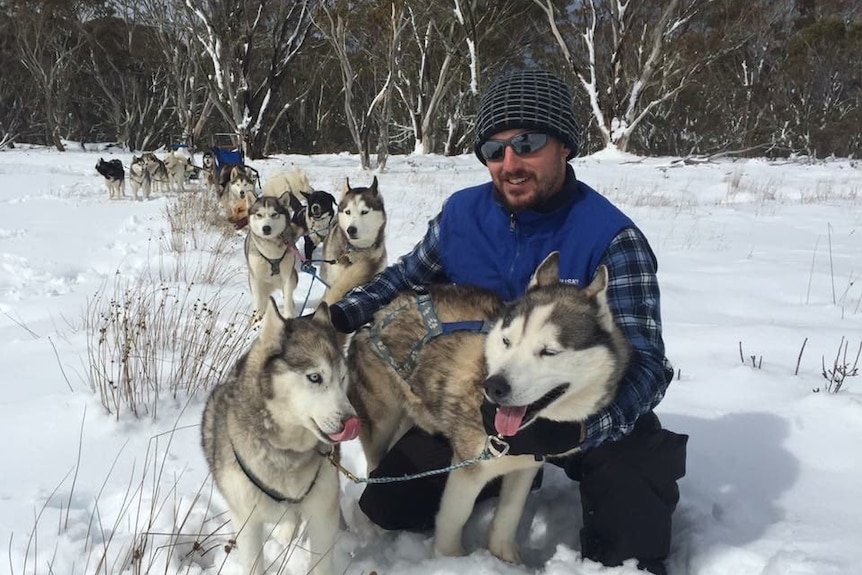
347 212
547 352
363 212
314 378
506 342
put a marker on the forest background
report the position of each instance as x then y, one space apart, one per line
379 77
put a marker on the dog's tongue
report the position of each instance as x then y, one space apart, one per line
348 432
508 420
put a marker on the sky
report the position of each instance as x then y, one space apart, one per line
759 266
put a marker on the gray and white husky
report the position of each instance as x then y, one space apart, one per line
139 177
270 253
555 353
268 429
179 168
355 249
159 178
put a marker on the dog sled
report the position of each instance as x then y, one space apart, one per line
225 152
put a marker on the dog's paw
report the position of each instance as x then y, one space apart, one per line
507 551
287 531
448 548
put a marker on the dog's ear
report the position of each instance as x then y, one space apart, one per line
330 199
548 272
273 322
373 186
250 199
321 315
234 173
346 188
598 290
599 283
306 195
288 200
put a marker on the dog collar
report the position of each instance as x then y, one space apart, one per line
272 493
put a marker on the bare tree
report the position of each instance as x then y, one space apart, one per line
124 61
249 46
333 26
631 61
183 66
48 45
441 72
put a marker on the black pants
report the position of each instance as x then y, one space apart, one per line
628 490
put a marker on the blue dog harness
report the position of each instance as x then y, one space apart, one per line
433 328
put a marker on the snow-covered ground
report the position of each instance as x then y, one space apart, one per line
756 258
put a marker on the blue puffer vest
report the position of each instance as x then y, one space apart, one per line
483 244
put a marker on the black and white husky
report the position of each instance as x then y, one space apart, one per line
115 177
313 219
556 353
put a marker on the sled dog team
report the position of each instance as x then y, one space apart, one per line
147 172
271 430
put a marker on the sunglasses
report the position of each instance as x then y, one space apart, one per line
522 144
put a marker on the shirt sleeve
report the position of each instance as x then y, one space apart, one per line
419 268
634 298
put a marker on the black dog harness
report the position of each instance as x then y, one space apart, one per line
433 328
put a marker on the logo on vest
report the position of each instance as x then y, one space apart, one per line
572 281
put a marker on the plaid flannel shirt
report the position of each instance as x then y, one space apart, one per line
633 296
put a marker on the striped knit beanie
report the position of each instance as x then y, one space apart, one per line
529 99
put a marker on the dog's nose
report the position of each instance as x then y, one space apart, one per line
315 210
242 194
497 388
351 230
266 230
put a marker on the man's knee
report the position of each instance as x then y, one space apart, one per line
629 493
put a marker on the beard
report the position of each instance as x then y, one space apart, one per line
524 189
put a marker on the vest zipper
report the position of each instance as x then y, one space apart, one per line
513 228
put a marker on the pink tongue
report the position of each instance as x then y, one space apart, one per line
508 420
349 431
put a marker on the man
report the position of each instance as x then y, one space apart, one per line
494 235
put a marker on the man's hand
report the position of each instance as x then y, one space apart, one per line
542 438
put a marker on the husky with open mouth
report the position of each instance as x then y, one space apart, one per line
425 360
268 430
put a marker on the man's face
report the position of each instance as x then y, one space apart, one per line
527 180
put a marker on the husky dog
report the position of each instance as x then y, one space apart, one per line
313 219
139 177
236 194
179 167
208 167
115 177
268 428
355 249
270 253
159 177
293 181
555 353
